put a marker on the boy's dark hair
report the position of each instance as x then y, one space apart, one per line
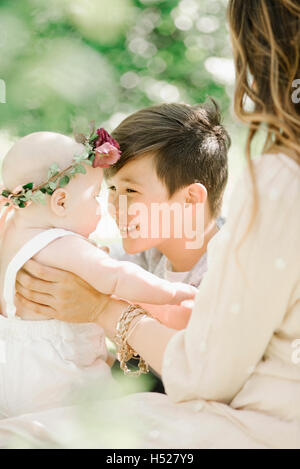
188 143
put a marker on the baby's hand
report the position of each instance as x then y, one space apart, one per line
183 292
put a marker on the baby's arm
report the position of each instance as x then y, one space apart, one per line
123 279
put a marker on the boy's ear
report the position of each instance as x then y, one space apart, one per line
196 193
58 202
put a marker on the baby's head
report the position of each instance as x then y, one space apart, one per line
171 153
73 207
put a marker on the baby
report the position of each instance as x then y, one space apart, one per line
54 209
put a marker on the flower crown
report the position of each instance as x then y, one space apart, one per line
101 151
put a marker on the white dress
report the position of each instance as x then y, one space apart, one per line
233 376
43 362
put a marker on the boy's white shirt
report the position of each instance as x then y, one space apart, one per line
158 264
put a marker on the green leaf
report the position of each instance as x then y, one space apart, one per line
53 170
79 158
5 193
52 185
43 190
22 204
38 197
64 181
79 169
28 195
88 162
28 186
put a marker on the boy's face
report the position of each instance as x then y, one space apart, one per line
135 193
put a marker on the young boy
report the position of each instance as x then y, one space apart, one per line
172 155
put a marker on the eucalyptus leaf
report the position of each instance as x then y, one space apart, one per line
53 170
64 181
38 197
79 169
28 186
52 185
28 195
79 158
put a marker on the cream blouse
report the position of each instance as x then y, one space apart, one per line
242 344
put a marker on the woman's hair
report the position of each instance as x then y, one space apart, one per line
188 144
266 44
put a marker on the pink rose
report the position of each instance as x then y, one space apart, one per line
106 155
104 137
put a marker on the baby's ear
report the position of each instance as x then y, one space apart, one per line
58 202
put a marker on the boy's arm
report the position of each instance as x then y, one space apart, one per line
123 279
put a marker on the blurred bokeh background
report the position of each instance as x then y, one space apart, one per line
66 62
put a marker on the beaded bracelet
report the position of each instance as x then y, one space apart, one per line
125 352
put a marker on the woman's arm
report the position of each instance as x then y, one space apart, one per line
149 338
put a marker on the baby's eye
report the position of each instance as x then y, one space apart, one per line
112 188
130 191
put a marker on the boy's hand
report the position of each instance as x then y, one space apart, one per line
45 292
172 316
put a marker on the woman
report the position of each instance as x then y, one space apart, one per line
233 376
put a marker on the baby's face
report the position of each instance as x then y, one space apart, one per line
82 207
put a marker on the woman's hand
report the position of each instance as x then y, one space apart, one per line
47 293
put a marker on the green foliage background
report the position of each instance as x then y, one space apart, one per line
66 62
